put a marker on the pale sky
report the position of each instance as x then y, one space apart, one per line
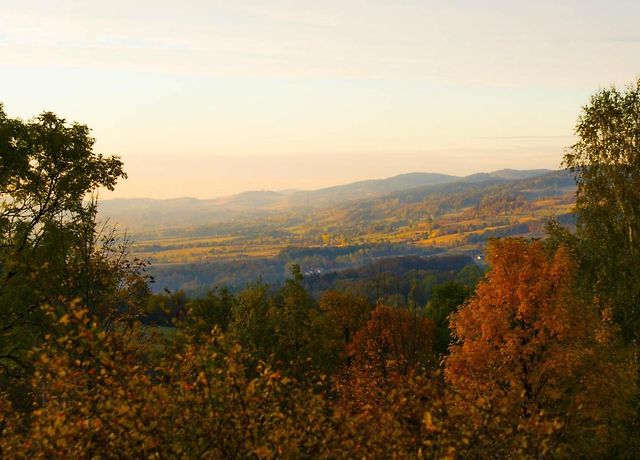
207 98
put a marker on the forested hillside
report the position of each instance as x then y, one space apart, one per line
371 328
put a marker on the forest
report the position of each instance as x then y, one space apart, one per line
360 347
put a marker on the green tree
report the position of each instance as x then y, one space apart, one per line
447 298
278 324
606 164
252 321
469 276
293 320
214 309
49 243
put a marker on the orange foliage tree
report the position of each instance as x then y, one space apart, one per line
534 366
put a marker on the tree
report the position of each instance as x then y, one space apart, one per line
446 299
132 394
532 358
342 315
251 320
214 309
277 324
606 164
394 341
49 243
292 315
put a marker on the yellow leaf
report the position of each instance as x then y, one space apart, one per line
427 419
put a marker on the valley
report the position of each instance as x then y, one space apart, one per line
192 244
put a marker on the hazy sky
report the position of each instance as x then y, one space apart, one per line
204 98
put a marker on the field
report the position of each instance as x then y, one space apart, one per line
460 230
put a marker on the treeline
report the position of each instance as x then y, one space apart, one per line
196 278
404 282
536 359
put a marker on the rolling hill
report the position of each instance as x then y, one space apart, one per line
138 216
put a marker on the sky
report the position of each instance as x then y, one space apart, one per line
209 98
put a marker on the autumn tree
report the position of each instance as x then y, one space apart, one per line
134 394
409 418
534 365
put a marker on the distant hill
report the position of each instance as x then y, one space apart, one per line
250 200
141 215
368 188
491 196
514 174
507 174
469 192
